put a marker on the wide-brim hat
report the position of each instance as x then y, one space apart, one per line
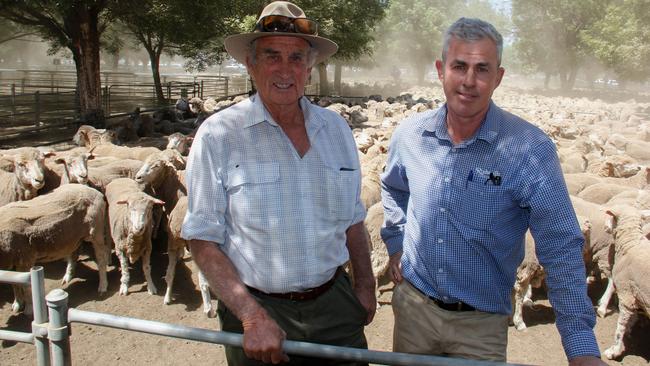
238 45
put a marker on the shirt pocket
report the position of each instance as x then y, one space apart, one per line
342 187
480 205
252 188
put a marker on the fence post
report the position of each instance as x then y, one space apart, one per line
39 325
227 90
37 108
58 332
201 92
22 86
169 91
13 98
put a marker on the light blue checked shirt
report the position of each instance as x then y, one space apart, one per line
281 219
462 233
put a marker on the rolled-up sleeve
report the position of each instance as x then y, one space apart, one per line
205 217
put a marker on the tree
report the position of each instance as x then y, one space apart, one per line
621 39
548 35
176 27
73 24
348 23
413 29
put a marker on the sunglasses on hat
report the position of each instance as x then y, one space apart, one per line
280 23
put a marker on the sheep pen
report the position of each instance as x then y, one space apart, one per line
538 344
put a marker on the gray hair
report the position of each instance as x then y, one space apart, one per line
472 29
311 55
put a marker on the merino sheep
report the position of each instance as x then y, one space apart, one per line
602 192
630 272
102 171
89 136
124 152
378 253
51 227
67 167
129 214
530 273
176 246
26 176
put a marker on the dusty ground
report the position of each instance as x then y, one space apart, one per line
94 345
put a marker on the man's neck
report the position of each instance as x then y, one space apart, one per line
461 129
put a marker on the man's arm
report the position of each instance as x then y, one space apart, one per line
364 281
262 336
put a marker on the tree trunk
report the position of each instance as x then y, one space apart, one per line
154 56
85 51
322 79
338 70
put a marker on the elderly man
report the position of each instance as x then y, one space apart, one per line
462 186
274 203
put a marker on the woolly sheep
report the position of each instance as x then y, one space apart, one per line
51 227
630 272
26 176
176 246
102 171
602 192
66 167
129 214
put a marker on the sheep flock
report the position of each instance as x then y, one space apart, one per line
122 189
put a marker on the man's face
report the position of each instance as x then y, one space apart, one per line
280 70
469 76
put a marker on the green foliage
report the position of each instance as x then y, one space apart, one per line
413 30
621 39
548 34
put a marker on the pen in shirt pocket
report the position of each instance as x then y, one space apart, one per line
344 169
470 177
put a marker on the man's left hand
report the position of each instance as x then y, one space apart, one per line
368 299
587 361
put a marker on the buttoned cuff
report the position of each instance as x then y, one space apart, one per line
580 344
394 245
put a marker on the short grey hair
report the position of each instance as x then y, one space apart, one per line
472 29
252 54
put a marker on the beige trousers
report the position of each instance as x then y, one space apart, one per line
424 328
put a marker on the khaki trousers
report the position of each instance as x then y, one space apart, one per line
424 328
335 318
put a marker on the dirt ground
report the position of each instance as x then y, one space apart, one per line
95 345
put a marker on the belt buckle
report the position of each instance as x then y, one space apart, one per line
459 306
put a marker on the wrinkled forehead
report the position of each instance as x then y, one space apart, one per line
282 43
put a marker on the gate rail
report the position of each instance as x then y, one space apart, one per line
56 331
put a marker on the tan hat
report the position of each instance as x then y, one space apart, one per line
281 18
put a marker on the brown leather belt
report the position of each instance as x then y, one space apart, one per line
449 306
309 294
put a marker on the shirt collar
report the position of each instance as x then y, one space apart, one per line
313 120
488 131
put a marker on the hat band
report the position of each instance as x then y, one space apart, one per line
281 23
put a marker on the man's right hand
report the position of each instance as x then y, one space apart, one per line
395 267
263 338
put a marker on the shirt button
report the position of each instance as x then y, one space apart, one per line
453 149
442 209
447 179
445 298
440 270
440 241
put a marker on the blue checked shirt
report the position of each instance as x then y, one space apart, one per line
460 213
279 218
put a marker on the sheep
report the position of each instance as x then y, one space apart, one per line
26 176
102 171
530 273
51 227
371 182
123 152
89 136
602 192
158 174
176 246
68 167
129 214
576 182
630 272
600 254
378 252
180 142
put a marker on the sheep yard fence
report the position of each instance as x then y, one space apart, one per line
39 107
51 331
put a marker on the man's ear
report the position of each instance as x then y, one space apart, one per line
500 72
440 67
